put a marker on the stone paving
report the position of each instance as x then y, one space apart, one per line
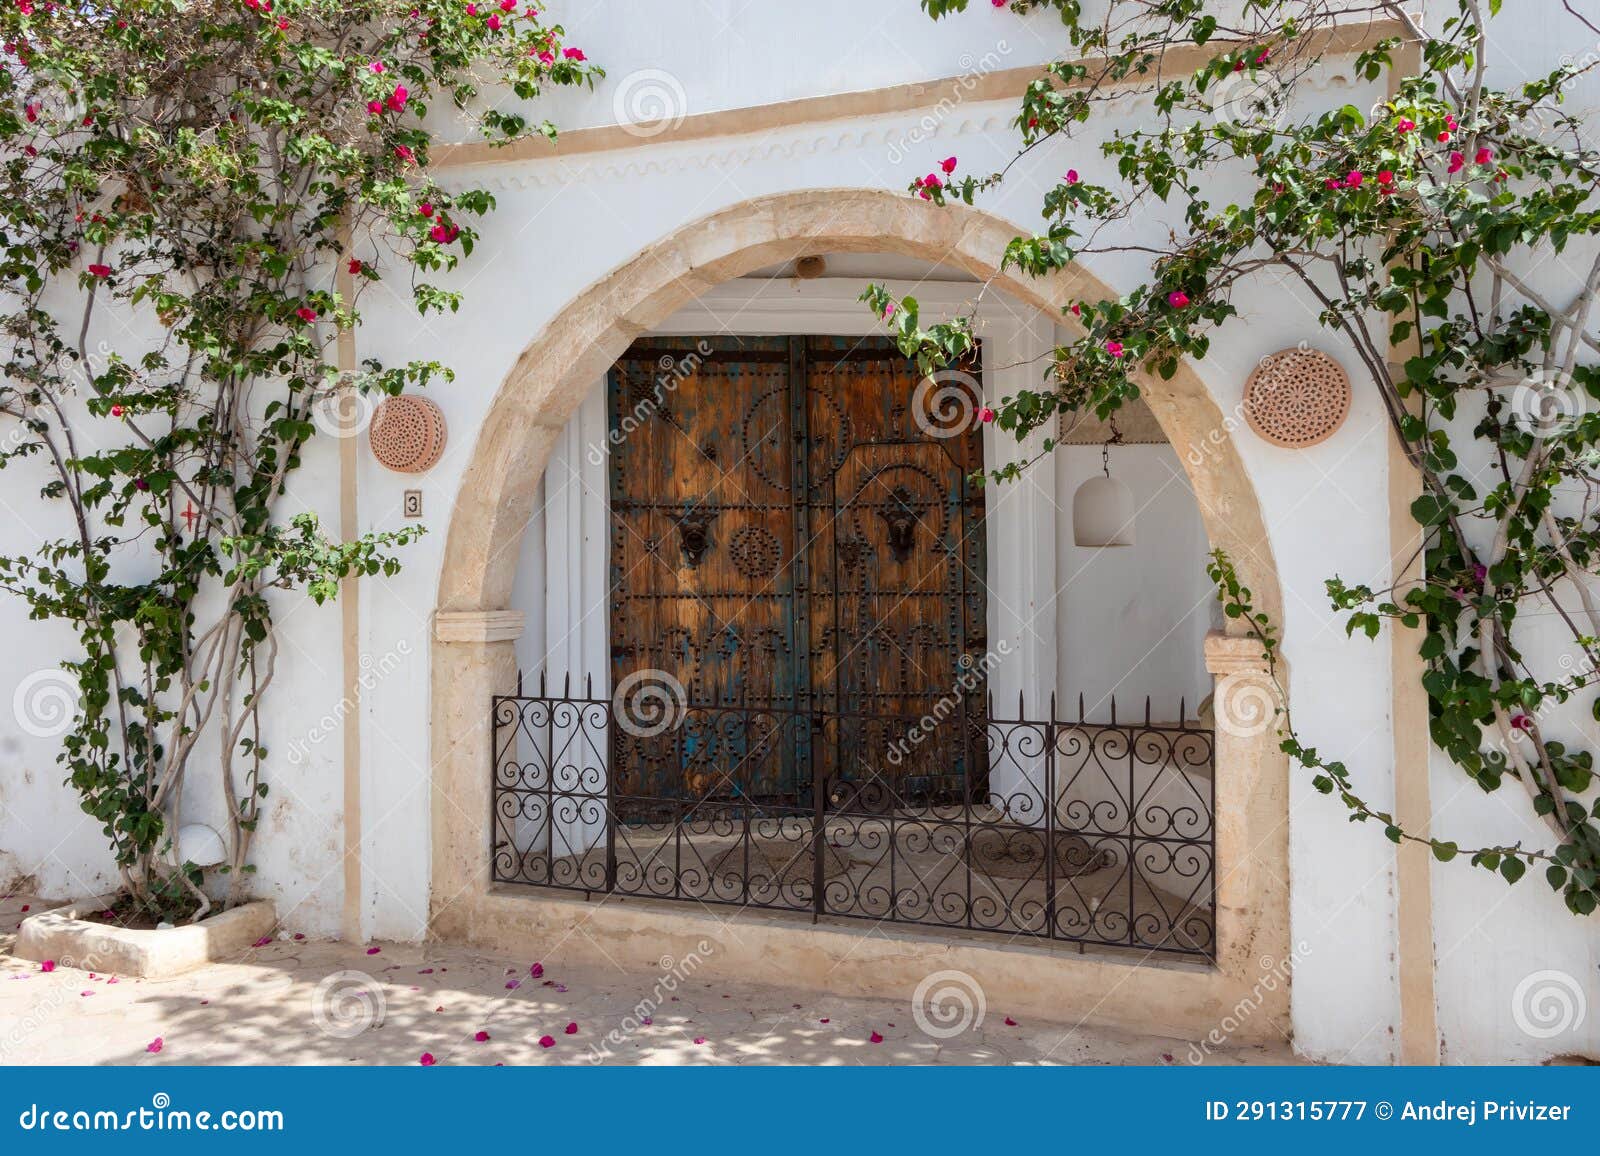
300 1002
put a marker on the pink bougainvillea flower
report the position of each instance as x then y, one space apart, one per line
1480 572
513 984
1385 177
482 1037
547 1041
508 5
116 411
375 107
306 313
1077 310
932 181
472 9
25 906
646 1020
373 950
404 153
494 23
376 68
1522 722
31 111
888 311
1010 1023
1177 299
699 1039
155 1045
875 1038
545 56
425 209
263 941
355 265
1114 348
1449 122
573 54
1404 124
1483 156
48 965
999 3
1442 137
397 99
426 1059
1457 162
1332 183
298 936
986 414
140 484
100 270
571 1029
536 970
1353 179
948 165
1262 57
426 971
1072 177
283 24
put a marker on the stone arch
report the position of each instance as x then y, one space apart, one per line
475 630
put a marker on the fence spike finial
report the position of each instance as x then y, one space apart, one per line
543 672
1080 708
519 682
1052 717
1113 710
566 684
1146 710
588 685
1183 711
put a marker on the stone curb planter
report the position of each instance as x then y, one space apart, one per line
72 942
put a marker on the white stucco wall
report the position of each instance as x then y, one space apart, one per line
563 223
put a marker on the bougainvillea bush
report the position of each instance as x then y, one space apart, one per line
193 198
1418 226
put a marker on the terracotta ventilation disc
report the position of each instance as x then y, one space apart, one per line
407 434
1297 398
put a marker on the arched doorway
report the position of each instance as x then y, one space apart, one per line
474 660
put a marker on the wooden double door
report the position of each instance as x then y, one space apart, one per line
797 542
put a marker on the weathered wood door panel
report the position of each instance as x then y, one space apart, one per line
793 529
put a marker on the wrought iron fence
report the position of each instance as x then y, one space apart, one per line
1062 829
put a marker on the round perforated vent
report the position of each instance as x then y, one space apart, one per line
1297 398
407 434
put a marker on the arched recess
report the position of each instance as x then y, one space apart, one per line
473 656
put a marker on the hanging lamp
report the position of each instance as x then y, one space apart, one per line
1102 509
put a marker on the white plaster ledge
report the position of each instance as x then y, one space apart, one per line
73 942
478 625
